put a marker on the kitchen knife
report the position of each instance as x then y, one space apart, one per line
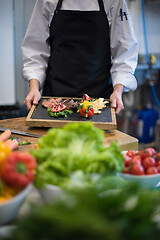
20 132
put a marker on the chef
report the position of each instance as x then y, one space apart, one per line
72 47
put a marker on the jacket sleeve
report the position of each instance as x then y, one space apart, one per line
124 49
35 47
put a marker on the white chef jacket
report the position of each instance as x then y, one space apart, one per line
123 44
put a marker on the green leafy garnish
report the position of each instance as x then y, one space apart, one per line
20 143
24 143
59 114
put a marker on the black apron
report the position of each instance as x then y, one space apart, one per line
80 58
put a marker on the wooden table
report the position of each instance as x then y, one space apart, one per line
125 141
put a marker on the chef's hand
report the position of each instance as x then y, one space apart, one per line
116 98
34 95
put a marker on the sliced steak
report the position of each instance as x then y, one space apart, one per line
71 104
47 104
51 102
57 104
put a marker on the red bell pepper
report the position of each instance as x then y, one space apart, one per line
18 169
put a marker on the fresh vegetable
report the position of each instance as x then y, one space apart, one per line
146 161
137 169
59 113
7 192
149 162
18 169
20 142
146 152
131 153
76 146
4 152
121 212
86 110
151 170
88 103
24 142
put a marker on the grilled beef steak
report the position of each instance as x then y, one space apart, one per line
57 104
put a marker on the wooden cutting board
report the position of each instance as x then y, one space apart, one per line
39 117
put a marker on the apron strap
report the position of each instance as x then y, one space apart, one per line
59 5
101 5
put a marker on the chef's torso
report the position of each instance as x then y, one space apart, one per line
80 58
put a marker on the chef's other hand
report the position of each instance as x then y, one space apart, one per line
116 98
34 95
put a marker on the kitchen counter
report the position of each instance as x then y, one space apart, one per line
125 141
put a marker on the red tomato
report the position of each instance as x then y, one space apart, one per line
157 157
151 170
127 160
149 162
148 152
135 160
131 153
158 163
137 169
152 150
158 168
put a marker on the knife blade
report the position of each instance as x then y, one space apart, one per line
20 132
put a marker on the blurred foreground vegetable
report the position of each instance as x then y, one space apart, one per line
18 169
121 212
76 146
7 192
4 152
16 172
